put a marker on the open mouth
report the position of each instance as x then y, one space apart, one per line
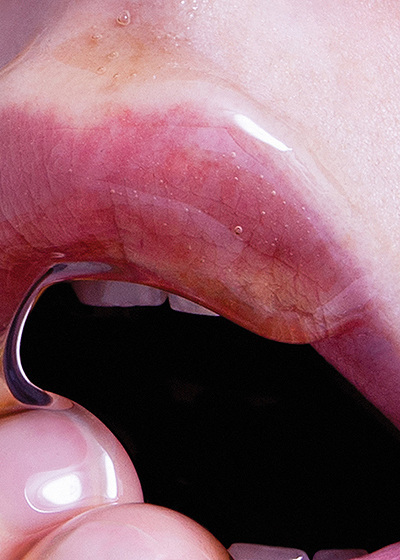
131 153
260 442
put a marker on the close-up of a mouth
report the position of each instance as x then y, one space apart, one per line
208 270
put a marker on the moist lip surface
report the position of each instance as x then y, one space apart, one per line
183 200
112 160
168 173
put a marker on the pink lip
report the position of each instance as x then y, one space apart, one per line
182 196
184 200
190 200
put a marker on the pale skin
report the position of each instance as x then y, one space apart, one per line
324 77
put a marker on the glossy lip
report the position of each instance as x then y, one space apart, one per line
269 234
211 186
185 200
161 183
360 299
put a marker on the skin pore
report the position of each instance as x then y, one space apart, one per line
89 87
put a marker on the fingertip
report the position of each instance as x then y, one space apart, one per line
126 531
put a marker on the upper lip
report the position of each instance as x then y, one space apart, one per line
187 196
312 297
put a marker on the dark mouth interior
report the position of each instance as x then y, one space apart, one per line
258 441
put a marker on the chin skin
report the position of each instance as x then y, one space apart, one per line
249 167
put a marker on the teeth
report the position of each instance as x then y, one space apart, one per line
334 554
124 294
242 551
181 304
117 294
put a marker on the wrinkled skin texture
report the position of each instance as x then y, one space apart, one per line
95 167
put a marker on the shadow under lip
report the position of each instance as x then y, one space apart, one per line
259 441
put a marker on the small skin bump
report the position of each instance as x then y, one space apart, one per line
124 57
96 37
113 55
128 51
124 18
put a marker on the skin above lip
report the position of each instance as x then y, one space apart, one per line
76 149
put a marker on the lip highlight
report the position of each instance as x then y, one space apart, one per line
184 201
125 150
